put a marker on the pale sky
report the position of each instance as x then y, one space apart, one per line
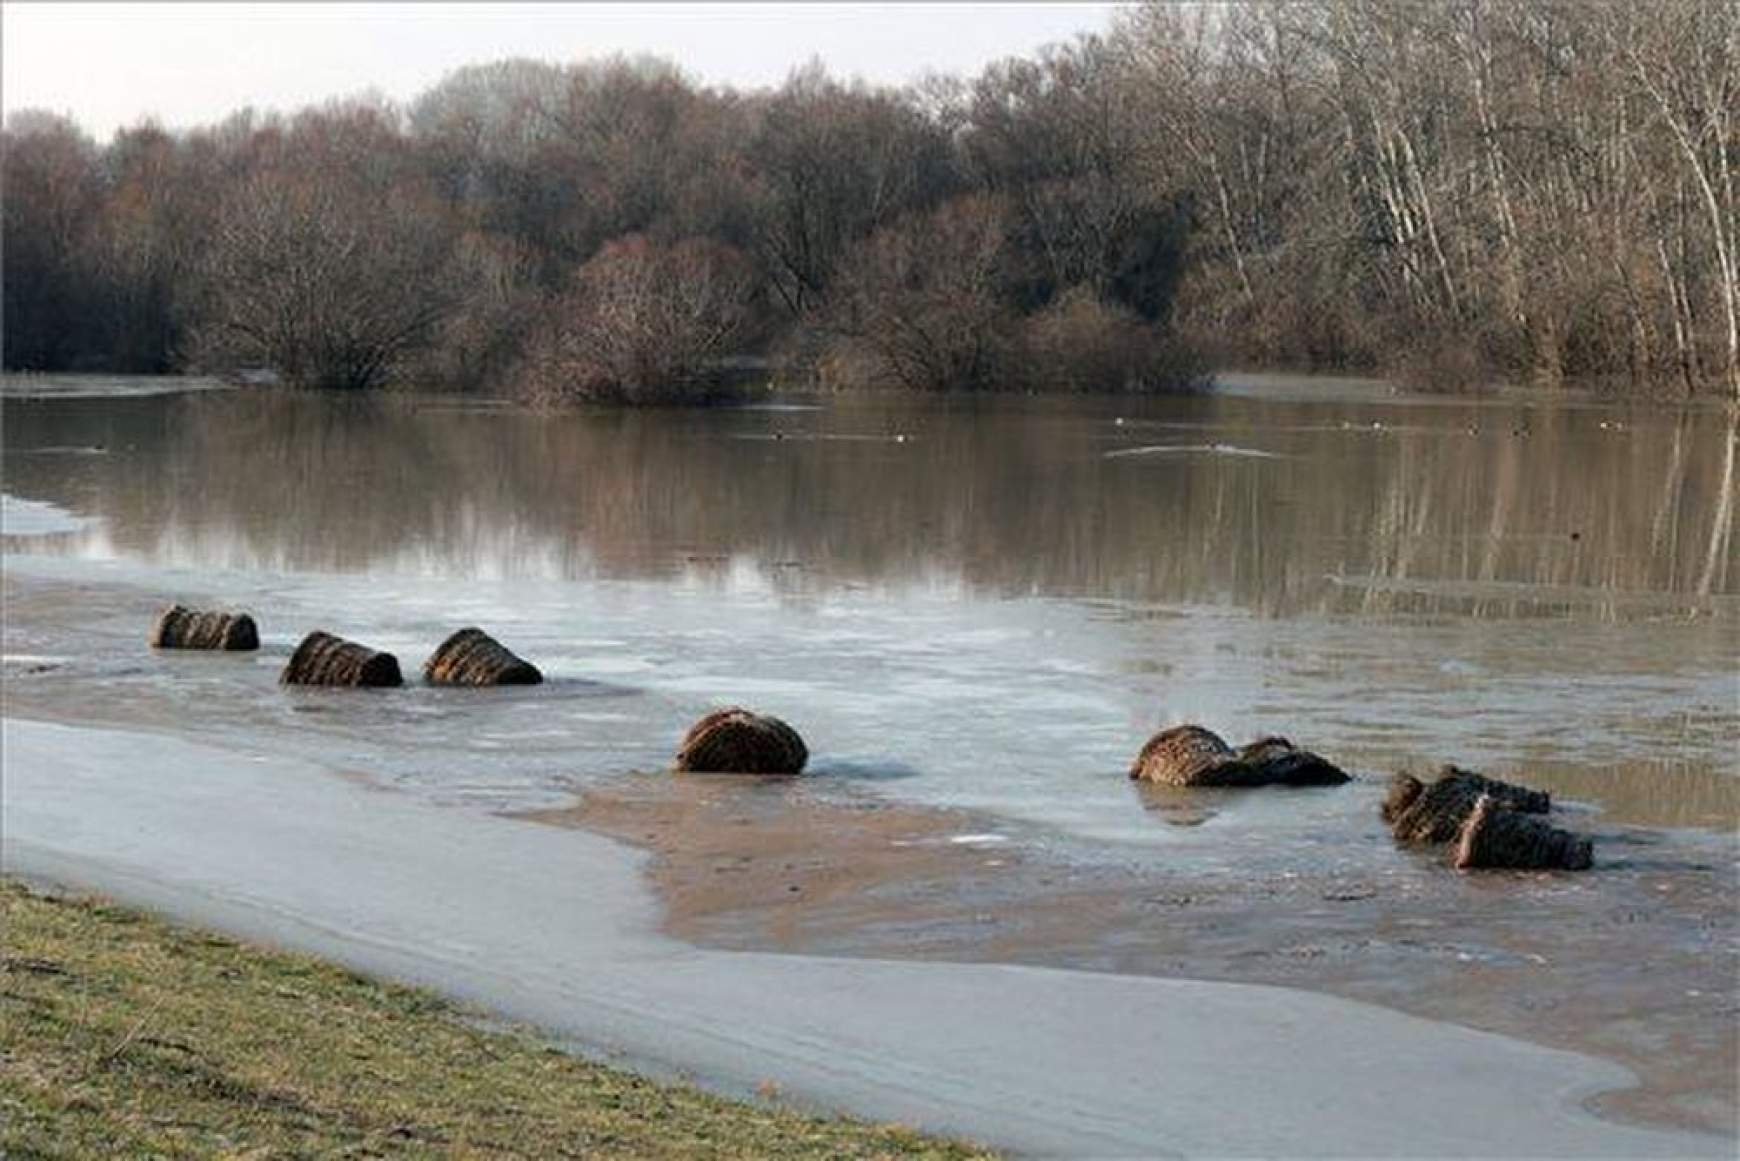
110 65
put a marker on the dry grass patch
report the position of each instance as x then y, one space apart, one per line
121 1034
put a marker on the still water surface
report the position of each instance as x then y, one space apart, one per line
986 604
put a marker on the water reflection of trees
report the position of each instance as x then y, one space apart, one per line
1421 513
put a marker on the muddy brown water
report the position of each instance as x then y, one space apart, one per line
975 611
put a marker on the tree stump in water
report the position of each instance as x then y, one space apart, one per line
323 659
1418 813
473 657
179 627
1190 755
1496 835
736 741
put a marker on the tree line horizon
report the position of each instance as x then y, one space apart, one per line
1453 193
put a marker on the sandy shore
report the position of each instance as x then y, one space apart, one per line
1636 963
554 926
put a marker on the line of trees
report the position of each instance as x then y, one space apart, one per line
1525 189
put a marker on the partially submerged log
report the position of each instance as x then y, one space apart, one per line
1497 835
323 659
1190 755
179 627
736 741
1418 813
473 657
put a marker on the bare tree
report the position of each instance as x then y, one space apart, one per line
326 280
644 323
1460 191
1685 56
919 304
832 164
50 195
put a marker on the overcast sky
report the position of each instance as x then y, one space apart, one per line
110 65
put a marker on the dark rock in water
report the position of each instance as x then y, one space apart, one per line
323 659
1497 835
473 657
179 627
1189 755
736 741
1418 813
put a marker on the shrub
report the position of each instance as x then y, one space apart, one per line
919 304
645 322
1082 343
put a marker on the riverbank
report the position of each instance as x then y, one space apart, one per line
127 1034
1618 964
974 615
552 927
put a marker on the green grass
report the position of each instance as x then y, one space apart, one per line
123 1035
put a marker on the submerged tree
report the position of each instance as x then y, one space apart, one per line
920 304
327 280
645 322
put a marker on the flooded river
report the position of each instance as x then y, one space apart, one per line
984 606
971 604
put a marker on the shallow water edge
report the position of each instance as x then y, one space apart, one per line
1033 1059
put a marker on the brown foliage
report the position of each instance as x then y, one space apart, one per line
477 344
473 657
645 322
736 741
1452 193
830 164
1083 343
918 304
178 627
332 259
322 659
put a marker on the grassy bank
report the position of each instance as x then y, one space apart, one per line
121 1034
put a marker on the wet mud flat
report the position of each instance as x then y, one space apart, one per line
1637 961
